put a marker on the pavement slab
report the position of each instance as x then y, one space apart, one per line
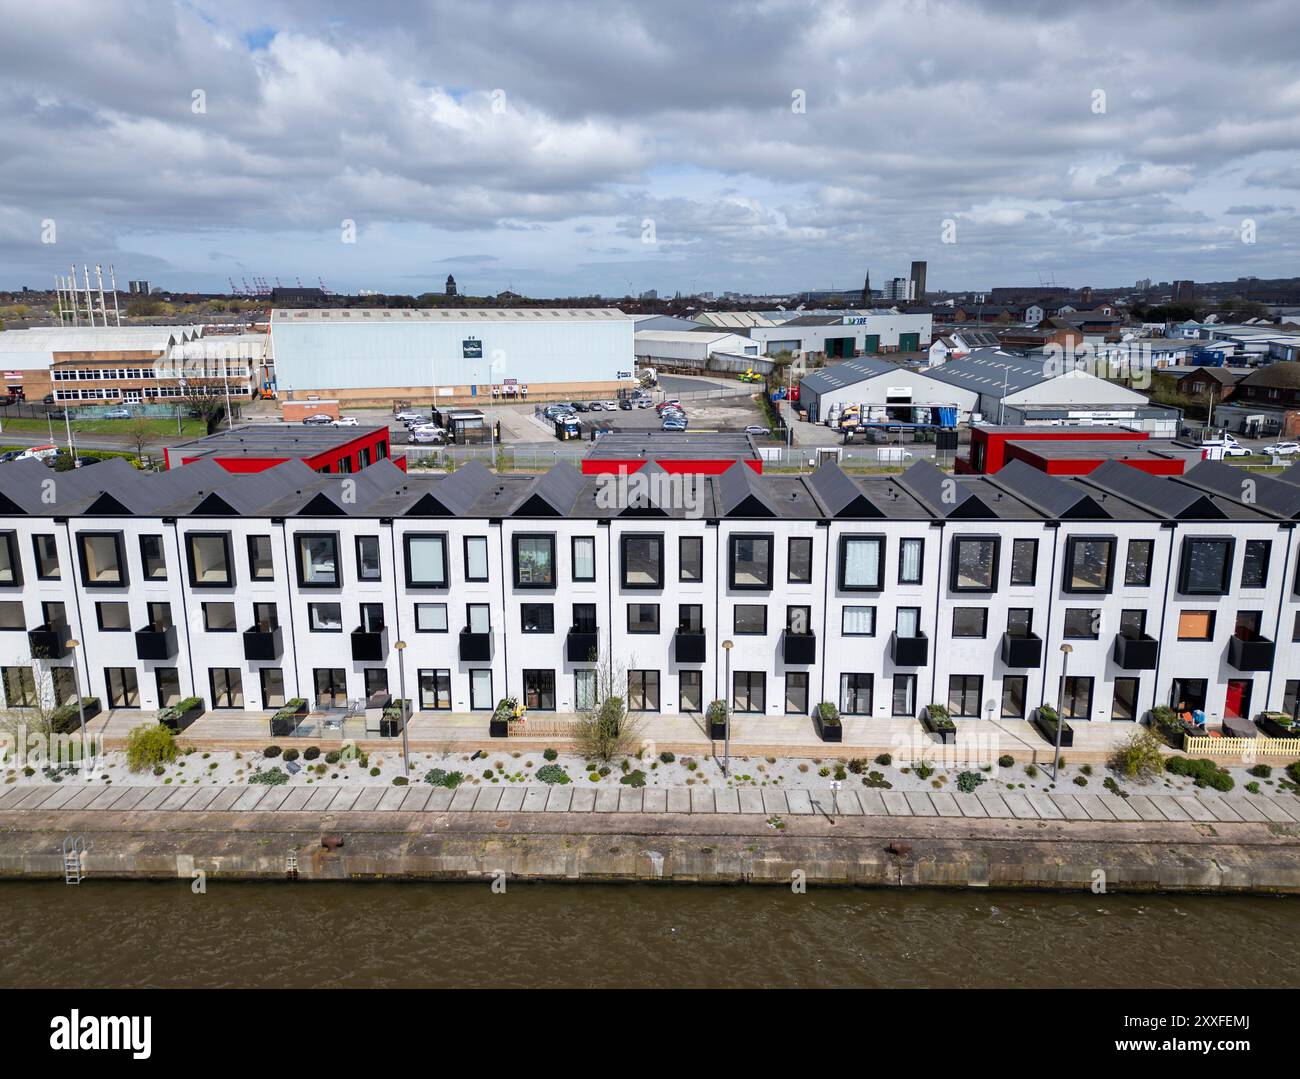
559 799
823 801
205 796
751 800
248 798
774 802
629 800
1269 807
1142 806
512 800
321 798
223 801
393 797
345 799
896 803
297 799
462 800
63 793
1068 806
920 805
1288 804
1169 806
86 795
1219 808
368 799
993 804
724 801
798 802
534 799
846 803
1195 808
1092 805
489 798
417 797
1043 805
13 796
584 800
439 800
873 805
607 800
106 797
655 800
32 797
702 800
969 805
945 804
1020 806
1119 807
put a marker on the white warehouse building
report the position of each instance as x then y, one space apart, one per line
698 350
872 381
362 354
850 334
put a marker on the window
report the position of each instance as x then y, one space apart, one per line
1137 563
751 562
690 618
858 622
584 617
1082 623
690 691
643 691
368 568
266 617
476 558
47 557
1089 563
1020 621
20 687
750 618
372 618
426 560
798 620
1132 623
1024 561
1295 627
1254 565
584 690
798 569
209 559
749 691
1248 625
1291 696
534 561
227 687
970 621
168 682
1195 625
540 690
152 558
537 617
478 617
1076 697
1124 706
325 617
860 559
54 614
318 559
911 558
430 618
113 617
584 558
643 560
965 691
643 618
480 690
260 565
796 693
855 694
123 689
220 617
903 699
102 564
435 690
11 615
907 621
1206 567
974 564
10 568
690 558
1014 689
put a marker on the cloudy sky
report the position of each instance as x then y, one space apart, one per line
562 148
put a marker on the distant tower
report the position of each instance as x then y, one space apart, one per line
451 285
918 282
866 291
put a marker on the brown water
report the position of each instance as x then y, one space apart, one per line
109 934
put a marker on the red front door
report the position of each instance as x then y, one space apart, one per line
1237 706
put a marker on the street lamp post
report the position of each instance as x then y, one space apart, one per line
73 645
1066 649
401 689
726 730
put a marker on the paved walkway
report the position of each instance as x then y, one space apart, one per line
988 801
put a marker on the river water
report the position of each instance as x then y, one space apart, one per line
116 934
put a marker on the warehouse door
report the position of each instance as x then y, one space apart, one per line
909 342
839 346
871 344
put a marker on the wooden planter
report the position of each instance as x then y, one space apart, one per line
944 727
1048 730
1276 725
285 721
179 722
828 730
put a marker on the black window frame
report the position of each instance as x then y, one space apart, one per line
251 543
797 676
964 692
1067 585
1137 688
99 616
1267 547
1144 581
573 556
740 537
11 541
644 632
644 678
902 542
790 577
549 537
362 575
487 560
540 689
234 615
440 674
1021 541
40 560
983 623
224 537
735 624
333 537
407 538
682 541
749 677
696 679
857 676
878 538
1229 543
623 542
446 617
324 603
119 544
1095 614
145 558
1010 680
549 608
955 561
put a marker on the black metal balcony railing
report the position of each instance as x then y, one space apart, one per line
263 644
48 642
909 651
798 647
1022 650
369 645
689 647
581 645
1136 653
154 643
1250 653
475 647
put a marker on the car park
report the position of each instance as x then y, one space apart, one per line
318 420
118 414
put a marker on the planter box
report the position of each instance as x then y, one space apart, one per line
581 646
263 644
826 730
475 647
909 651
1275 725
1048 730
66 719
48 643
1022 652
498 728
946 728
369 646
181 720
285 721
153 643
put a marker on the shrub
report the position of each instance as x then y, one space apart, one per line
884 760
634 779
333 757
158 769
1262 771
858 765
1202 771
1138 757
840 774
923 770
1006 760
271 751
667 757
272 777
1293 770
488 773
1080 781
438 777
828 714
400 781
374 771
552 773
1031 771
311 753
1086 769
291 754
1253 787
1114 788
968 781
147 746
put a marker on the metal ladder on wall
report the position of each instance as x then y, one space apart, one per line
73 848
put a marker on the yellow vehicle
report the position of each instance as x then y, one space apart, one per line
750 376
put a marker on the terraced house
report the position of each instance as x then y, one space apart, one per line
881 594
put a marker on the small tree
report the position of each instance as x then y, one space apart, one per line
1138 757
140 432
607 730
149 745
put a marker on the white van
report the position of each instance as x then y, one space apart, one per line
41 453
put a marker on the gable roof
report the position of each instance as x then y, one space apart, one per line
1052 497
1260 491
741 495
839 494
552 494
941 494
1173 501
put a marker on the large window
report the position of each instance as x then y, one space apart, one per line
1137 562
1024 561
974 564
911 560
1089 563
435 690
318 559
690 691
1206 567
430 618
476 558
426 560
799 560
208 554
123 688
47 557
272 679
970 621
690 558
1254 565
584 558
1082 623
102 563
964 694
534 560
751 562
480 690
643 560
860 563
227 687
858 622
325 617
1195 625
585 690
11 571
856 693
152 558
903 699
749 691
168 682
537 617
539 690
643 618
750 618
643 691
368 565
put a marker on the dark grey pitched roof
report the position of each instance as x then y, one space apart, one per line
552 494
941 494
992 372
1055 498
253 494
741 495
459 491
1172 501
839 494
1260 491
1290 475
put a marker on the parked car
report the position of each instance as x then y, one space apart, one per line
580 407
756 429
644 402
672 402
625 404
610 406
408 415
427 434
595 406
1236 450
10 455
318 420
46 452
1281 449
346 421
118 414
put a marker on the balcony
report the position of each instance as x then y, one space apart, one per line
909 651
581 645
1135 653
798 647
154 643
369 645
263 644
48 642
475 647
1250 653
1022 650
689 647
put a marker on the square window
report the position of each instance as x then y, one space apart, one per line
219 617
751 562
534 560
325 617
318 559
209 559
750 618
1082 623
860 563
430 618
102 564
426 559
974 564
1195 625
1206 567
643 560
113 617
970 621
643 618
858 621
1089 563
537 617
